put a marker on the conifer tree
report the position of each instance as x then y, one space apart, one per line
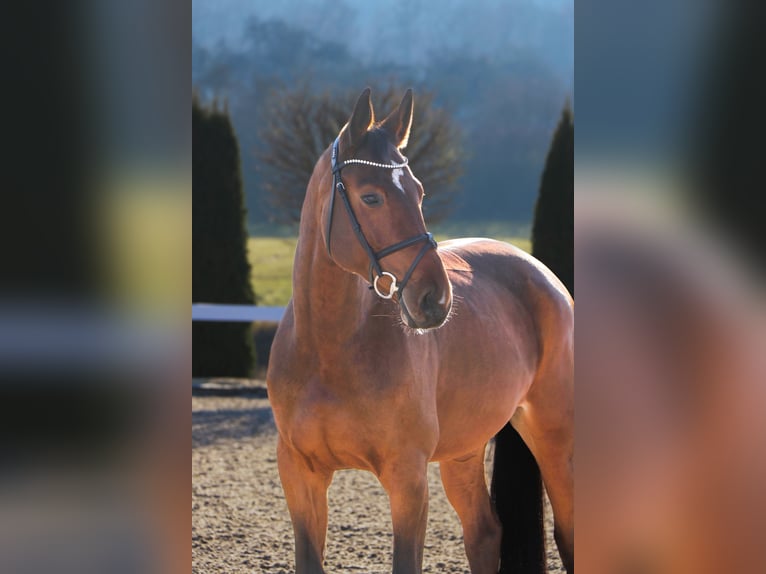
220 271
553 227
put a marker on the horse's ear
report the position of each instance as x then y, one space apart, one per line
361 119
399 122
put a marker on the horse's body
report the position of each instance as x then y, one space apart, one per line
352 388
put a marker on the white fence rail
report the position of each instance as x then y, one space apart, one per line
235 313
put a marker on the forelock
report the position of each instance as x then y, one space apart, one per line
376 144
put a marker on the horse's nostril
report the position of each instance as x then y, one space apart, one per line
427 301
432 304
432 311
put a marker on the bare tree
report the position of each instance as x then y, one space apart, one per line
301 124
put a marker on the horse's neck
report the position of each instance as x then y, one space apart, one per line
326 299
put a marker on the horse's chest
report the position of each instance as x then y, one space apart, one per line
351 427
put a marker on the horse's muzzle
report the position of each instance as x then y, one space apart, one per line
428 308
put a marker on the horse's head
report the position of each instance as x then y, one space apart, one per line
374 219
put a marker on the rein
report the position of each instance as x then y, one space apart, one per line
376 271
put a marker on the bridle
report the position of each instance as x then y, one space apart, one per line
376 271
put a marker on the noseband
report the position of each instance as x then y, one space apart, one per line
376 271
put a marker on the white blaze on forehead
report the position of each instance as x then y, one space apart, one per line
396 175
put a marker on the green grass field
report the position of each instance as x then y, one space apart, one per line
271 258
271 263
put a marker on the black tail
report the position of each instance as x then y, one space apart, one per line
517 492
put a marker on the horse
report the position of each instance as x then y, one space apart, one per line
395 352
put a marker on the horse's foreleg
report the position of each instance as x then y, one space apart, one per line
406 483
466 489
306 494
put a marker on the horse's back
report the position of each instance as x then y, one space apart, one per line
503 263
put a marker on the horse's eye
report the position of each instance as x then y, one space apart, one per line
372 199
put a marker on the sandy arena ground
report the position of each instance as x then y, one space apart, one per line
240 521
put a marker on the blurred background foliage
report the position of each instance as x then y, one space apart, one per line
494 74
302 122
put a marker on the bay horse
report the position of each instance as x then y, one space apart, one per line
395 352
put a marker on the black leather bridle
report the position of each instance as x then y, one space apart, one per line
376 271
